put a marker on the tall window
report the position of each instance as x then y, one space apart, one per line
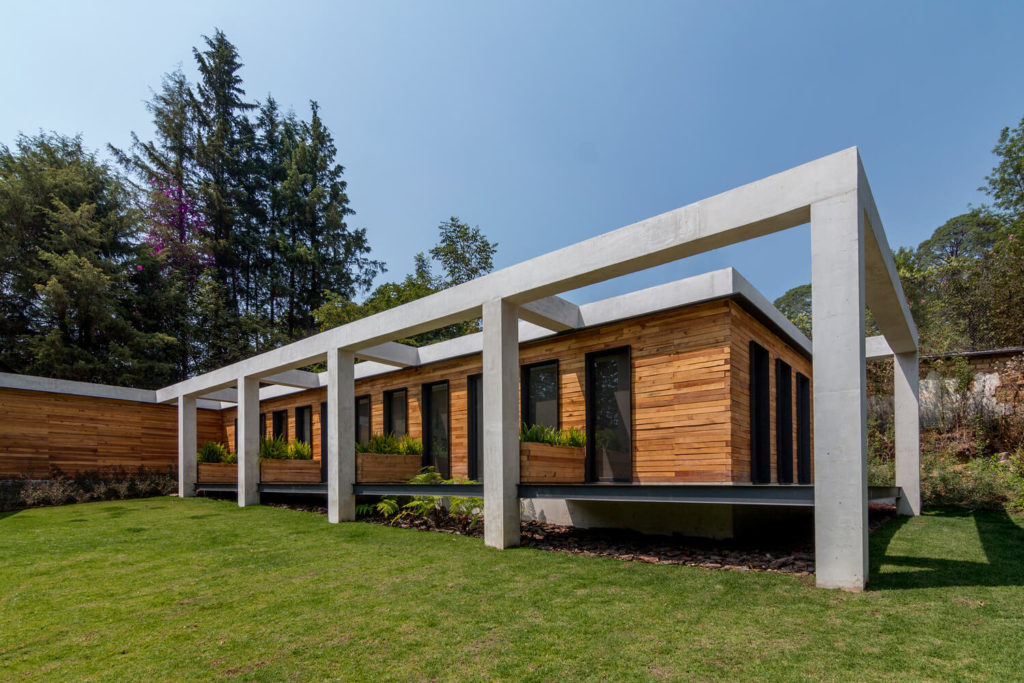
760 416
363 425
323 441
783 422
395 412
609 415
263 425
539 394
475 387
280 420
803 429
436 434
304 424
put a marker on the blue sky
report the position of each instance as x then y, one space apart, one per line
547 123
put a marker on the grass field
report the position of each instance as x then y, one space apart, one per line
165 589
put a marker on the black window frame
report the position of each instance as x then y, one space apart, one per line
474 435
274 416
236 435
303 410
591 455
426 404
388 427
263 426
803 429
369 415
524 390
323 441
783 422
760 415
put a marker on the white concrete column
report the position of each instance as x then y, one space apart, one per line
341 436
248 441
187 446
501 423
840 393
907 426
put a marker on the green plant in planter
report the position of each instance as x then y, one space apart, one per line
300 450
211 451
390 444
573 436
274 449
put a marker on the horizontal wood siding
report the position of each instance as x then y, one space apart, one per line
44 432
746 328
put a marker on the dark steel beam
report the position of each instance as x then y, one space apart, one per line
447 490
773 494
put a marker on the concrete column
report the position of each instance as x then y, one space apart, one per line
840 393
248 441
908 437
186 446
341 436
501 423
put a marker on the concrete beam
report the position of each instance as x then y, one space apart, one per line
248 441
775 203
906 409
501 424
876 348
341 440
187 447
840 393
391 353
300 379
883 291
552 312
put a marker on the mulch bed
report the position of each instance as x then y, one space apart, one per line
781 557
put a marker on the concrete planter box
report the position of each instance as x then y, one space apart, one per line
274 471
379 468
541 463
217 473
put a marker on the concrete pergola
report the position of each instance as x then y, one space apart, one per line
851 268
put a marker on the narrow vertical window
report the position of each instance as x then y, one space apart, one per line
263 426
783 422
280 424
475 404
323 441
760 415
395 407
236 435
304 424
363 425
609 414
803 429
539 394
436 433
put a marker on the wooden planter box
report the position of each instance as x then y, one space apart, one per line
378 468
274 471
217 473
541 463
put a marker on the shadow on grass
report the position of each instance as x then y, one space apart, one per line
8 513
1001 539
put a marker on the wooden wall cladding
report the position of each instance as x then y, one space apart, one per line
684 400
746 328
44 431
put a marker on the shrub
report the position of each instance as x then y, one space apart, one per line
87 486
572 436
274 449
987 482
300 450
212 451
390 444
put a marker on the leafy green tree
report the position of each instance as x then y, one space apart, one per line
73 271
795 304
463 252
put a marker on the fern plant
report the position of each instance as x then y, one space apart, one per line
300 450
211 451
274 449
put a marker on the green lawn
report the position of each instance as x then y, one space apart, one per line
164 589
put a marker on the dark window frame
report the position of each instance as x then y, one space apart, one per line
388 427
803 428
274 415
783 422
369 414
309 435
323 441
236 435
263 426
474 436
760 415
591 455
524 390
426 403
